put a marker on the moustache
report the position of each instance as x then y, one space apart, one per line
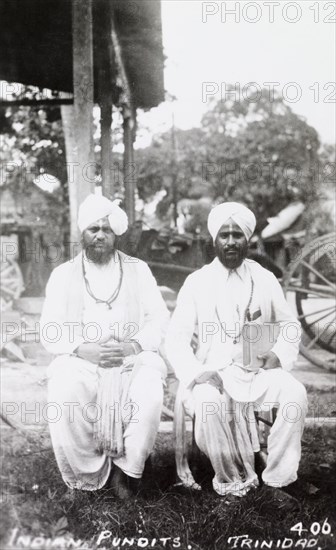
231 249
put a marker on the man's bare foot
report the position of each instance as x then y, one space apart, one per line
121 485
231 500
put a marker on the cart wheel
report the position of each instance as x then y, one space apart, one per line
12 284
311 276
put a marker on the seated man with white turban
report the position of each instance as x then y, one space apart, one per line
215 304
104 319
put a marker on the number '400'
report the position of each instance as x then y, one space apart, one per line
316 528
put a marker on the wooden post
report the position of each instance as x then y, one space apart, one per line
129 164
71 151
128 127
83 96
104 58
106 142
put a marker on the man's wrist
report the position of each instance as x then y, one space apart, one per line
75 352
276 358
136 347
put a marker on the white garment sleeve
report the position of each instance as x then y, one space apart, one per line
179 335
58 335
287 345
156 314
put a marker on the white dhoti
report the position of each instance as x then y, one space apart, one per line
206 334
225 430
138 314
73 384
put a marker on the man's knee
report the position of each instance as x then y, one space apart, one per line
151 362
64 378
288 386
297 403
300 392
206 392
293 401
207 402
293 390
147 389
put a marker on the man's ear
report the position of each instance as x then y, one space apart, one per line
117 241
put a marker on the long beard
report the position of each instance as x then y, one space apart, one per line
100 256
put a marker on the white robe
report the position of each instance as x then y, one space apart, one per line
73 382
223 434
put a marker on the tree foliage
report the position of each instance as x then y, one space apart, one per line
32 143
255 151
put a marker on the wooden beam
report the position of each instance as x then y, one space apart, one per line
84 174
33 102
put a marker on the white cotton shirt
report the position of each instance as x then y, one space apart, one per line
213 286
98 322
233 298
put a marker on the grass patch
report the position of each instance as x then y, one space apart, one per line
321 403
36 502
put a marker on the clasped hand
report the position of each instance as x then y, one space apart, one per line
109 354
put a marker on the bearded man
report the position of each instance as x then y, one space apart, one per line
104 319
215 304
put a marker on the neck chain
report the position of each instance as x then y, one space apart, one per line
115 293
246 315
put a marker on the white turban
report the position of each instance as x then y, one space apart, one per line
240 214
95 207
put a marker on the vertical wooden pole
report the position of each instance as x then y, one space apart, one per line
106 143
71 152
83 95
129 165
104 58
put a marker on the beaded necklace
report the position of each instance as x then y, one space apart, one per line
115 293
246 317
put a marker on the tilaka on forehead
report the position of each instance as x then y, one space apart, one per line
231 224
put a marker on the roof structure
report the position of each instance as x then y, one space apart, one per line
36 46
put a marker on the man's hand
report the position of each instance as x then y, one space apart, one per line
211 377
110 354
90 352
113 353
271 361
